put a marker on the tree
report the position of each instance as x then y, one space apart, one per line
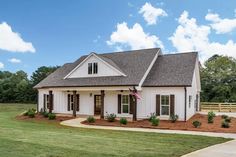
218 79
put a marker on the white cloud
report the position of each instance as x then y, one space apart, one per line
1 65
220 25
12 41
151 13
189 36
133 37
14 60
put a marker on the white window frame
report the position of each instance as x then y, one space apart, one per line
164 105
125 104
92 70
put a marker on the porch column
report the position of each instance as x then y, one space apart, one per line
74 103
50 101
102 104
135 109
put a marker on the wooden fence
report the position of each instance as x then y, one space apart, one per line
218 107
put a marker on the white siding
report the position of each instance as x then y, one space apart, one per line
103 69
147 104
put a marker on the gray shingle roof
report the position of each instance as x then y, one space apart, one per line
132 63
172 70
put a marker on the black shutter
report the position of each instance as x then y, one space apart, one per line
77 105
52 101
44 102
131 104
68 102
119 103
158 105
172 104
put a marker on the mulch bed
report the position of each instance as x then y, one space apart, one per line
179 125
39 117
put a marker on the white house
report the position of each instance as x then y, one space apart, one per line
97 84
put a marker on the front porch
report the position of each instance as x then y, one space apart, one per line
89 102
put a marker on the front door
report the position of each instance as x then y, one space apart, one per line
97 104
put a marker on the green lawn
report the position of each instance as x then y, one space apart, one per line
41 139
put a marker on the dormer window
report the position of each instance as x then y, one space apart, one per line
92 68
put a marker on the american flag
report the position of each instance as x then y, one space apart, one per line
135 93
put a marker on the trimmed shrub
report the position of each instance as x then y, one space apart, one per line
224 116
228 119
174 118
111 117
197 124
51 116
45 114
31 114
225 124
155 122
91 119
152 116
123 121
211 115
25 113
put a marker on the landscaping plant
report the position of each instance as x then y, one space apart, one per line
91 119
45 114
51 116
123 121
155 122
197 124
224 116
174 118
225 124
31 113
152 116
111 117
228 119
211 115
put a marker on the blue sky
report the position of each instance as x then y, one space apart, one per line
36 33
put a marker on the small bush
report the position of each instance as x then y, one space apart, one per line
228 119
25 113
111 117
152 116
45 114
155 122
51 116
197 124
31 114
225 124
174 118
123 121
91 119
211 115
224 116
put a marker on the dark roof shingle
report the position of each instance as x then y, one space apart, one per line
172 70
132 63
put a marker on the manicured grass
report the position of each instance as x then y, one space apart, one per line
41 139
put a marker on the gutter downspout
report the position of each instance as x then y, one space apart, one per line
185 103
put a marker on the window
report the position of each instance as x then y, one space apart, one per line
125 103
47 101
72 102
92 68
95 68
165 105
189 100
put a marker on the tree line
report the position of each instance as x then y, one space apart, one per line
218 82
18 88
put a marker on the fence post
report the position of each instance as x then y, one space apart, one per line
219 107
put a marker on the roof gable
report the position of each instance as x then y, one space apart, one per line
106 67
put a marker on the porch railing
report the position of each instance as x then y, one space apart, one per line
218 107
